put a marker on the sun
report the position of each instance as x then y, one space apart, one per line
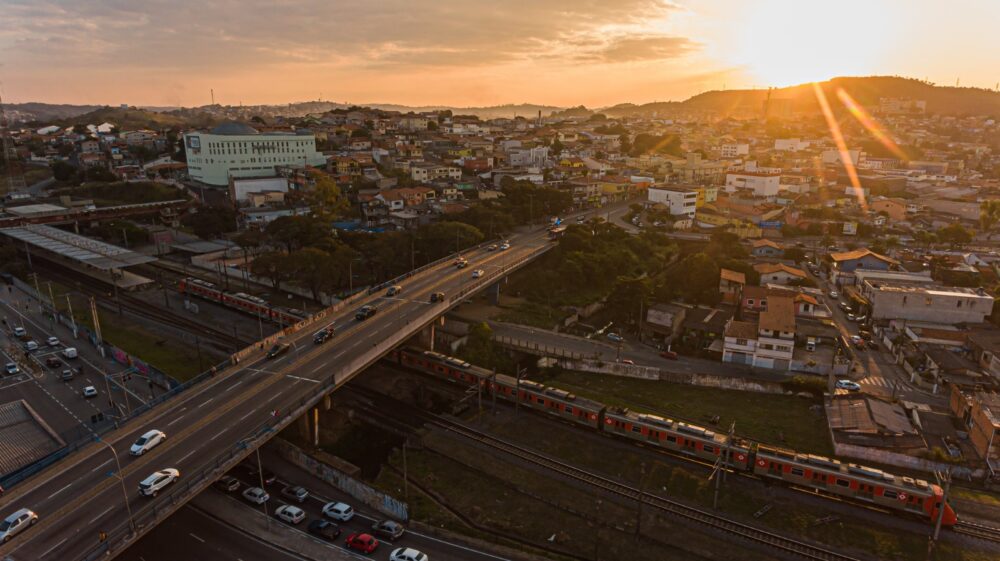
780 43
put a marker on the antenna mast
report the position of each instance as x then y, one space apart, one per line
15 175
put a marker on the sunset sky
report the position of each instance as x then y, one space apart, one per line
472 52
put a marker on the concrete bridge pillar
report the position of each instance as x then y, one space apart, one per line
494 293
303 423
427 335
327 402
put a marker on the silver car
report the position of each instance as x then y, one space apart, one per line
16 523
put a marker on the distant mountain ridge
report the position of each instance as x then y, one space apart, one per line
801 99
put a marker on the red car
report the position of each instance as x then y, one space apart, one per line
364 543
669 354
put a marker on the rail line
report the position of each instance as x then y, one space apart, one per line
699 516
981 531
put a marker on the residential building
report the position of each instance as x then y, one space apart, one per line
731 285
696 170
779 273
763 184
849 261
947 305
740 343
433 172
895 209
766 248
979 411
664 321
237 150
680 201
790 144
776 335
734 150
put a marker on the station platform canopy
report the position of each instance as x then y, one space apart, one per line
82 249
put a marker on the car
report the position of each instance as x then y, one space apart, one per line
848 385
492 247
31 346
17 523
365 543
156 481
478 273
53 362
389 529
365 312
580 219
505 246
615 337
256 495
865 334
67 375
290 514
296 493
461 263
437 297
851 317
227 483
670 355
628 361
52 341
269 477
90 391
11 368
834 294
407 554
278 349
860 318
147 442
338 511
394 290
323 335
324 529
844 306
20 332
873 344
858 343
69 353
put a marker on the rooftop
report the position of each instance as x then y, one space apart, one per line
779 315
90 252
234 128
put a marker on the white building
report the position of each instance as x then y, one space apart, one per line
431 172
948 305
240 189
238 150
766 343
790 144
763 184
680 201
734 150
833 156
528 157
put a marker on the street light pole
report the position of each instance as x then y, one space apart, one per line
121 478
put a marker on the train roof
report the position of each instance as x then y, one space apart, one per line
831 464
680 427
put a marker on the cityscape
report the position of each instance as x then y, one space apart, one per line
636 281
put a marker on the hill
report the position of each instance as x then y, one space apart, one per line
802 98
40 112
133 118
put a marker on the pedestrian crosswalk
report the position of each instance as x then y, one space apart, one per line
877 381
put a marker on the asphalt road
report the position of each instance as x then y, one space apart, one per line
83 495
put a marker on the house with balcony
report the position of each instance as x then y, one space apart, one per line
768 342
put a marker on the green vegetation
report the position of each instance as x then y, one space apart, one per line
121 193
479 349
523 202
777 419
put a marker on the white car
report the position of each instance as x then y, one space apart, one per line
12 368
478 273
848 385
20 332
90 391
152 485
338 511
256 495
147 442
505 245
407 554
290 514
16 523
834 294
53 341
31 346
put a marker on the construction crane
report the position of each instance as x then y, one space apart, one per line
11 162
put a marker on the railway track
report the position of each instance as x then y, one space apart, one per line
677 509
981 531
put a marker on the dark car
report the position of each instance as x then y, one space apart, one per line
53 362
67 375
324 529
437 297
670 355
227 483
365 312
278 349
388 529
251 471
323 335
873 344
296 493
364 543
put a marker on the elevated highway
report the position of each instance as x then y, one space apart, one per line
215 424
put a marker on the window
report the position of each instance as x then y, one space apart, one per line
890 494
749 301
709 448
741 342
636 428
798 471
843 483
671 438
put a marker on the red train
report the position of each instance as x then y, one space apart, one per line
241 301
902 494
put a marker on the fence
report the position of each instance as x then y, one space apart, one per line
378 500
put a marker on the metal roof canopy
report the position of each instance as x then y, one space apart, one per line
90 252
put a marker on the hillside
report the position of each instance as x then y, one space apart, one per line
40 112
132 118
866 90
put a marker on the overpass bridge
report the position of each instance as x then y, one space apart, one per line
213 425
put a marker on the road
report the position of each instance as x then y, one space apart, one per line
223 418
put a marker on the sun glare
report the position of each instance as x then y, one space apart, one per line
783 43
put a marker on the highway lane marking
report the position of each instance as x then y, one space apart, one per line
51 549
248 414
196 537
61 490
303 379
320 367
186 456
209 400
108 461
99 516
234 385
220 433
175 420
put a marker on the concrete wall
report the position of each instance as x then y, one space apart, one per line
694 379
884 457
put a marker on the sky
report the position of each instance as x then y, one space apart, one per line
476 52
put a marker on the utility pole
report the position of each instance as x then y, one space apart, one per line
38 292
945 480
114 283
493 390
72 318
52 303
406 478
97 324
638 512
721 465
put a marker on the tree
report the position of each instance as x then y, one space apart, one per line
479 349
325 198
557 147
989 214
211 222
80 129
274 266
296 231
795 254
63 171
99 173
441 238
250 240
628 296
954 234
314 268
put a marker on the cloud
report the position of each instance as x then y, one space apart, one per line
637 49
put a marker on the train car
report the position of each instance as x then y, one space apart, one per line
675 436
556 402
239 300
902 494
442 366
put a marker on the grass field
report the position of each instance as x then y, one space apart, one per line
34 175
777 419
